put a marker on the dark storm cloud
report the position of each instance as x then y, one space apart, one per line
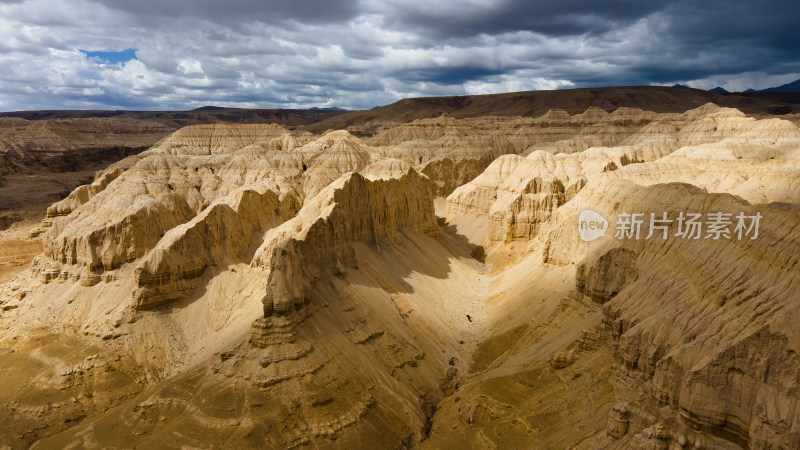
305 11
688 40
550 17
449 75
756 34
359 54
769 24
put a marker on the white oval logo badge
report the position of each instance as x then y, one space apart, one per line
591 225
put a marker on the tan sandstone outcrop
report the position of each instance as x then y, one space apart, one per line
222 231
180 178
313 298
707 320
351 209
716 148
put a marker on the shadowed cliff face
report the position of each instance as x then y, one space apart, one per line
276 288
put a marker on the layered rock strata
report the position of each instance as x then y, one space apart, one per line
351 209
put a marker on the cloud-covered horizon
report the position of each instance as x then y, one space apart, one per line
182 54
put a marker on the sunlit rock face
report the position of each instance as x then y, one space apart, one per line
422 288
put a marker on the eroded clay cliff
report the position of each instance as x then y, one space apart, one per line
277 288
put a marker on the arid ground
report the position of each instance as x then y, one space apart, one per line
413 276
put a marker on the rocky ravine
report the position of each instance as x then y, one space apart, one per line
246 285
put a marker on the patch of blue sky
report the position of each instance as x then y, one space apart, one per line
112 57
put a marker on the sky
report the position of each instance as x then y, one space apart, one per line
183 54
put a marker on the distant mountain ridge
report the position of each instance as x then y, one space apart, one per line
679 98
205 114
794 86
660 99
